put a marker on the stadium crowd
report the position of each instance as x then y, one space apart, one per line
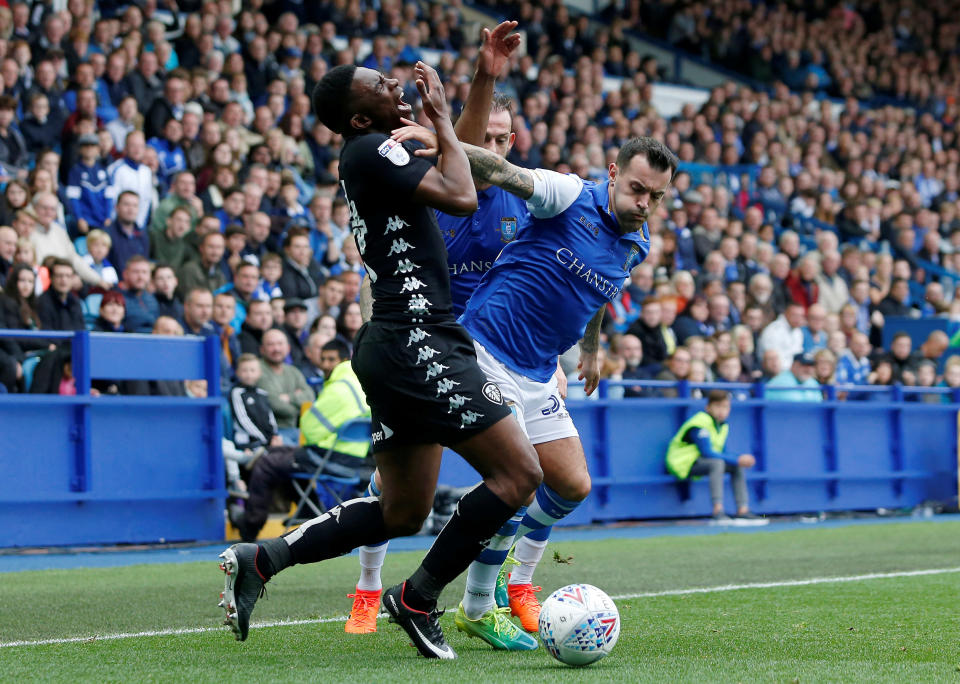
164 173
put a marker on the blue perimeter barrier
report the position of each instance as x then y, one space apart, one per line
114 469
829 456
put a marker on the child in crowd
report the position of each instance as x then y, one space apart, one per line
27 254
98 247
254 424
271 269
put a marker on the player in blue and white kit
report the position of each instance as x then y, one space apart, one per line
547 290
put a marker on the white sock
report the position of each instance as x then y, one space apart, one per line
528 552
481 582
371 560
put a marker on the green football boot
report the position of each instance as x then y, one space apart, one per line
500 594
497 629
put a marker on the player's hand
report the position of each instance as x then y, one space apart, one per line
431 92
82 226
746 461
561 381
589 368
497 47
422 134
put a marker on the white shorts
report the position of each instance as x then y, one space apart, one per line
537 405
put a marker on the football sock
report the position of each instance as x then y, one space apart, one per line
548 508
339 530
482 575
528 551
478 516
371 557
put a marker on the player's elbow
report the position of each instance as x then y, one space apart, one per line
464 204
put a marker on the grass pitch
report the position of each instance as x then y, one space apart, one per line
894 628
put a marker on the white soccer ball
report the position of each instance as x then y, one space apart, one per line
579 624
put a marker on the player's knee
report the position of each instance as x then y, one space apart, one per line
581 487
406 519
527 476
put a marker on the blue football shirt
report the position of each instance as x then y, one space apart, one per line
473 242
537 298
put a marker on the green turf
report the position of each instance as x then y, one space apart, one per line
896 630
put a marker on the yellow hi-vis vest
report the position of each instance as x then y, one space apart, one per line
682 455
341 399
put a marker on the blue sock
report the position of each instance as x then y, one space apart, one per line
547 509
482 574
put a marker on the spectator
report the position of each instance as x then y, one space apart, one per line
693 320
49 239
853 368
197 312
895 303
162 109
170 153
169 245
951 378
784 335
130 174
41 127
244 285
285 385
785 386
678 368
814 335
348 323
259 319
832 289
801 284
19 300
254 425
341 400
8 251
58 308
697 449
142 307
295 328
164 289
98 247
207 272
903 360
301 274
127 238
112 312
183 193
312 364
271 267
630 349
87 187
14 155
934 346
825 367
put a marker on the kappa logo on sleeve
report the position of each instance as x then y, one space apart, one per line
394 151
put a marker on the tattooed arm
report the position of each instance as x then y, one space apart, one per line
488 167
589 365
547 193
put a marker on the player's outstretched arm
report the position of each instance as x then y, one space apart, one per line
488 167
495 51
448 186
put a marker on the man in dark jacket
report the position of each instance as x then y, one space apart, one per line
58 307
302 275
649 331
259 319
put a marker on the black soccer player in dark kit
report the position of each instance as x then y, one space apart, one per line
416 363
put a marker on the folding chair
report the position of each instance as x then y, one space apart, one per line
327 480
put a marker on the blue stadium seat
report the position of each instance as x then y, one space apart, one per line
91 308
80 244
29 365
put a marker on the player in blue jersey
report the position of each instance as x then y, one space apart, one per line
547 290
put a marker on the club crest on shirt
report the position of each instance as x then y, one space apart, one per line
394 151
492 392
508 229
634 250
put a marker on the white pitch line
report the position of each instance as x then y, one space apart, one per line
651 594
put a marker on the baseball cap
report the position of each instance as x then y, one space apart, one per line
805 358
292 52
88 139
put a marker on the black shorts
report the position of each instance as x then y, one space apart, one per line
423 384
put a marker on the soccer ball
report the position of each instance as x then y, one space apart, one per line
579 624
